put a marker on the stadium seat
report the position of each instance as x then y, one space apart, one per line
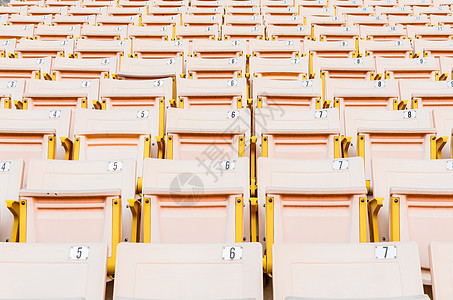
325 197
407 68
327 20
167 11
8 46
84 68
279 68
157 20
191 10
140 269
397 48
440 262
104 32
441 20
394 10
382 33
196 201
433 48
49 10
11 172
416 195
440 10
18 10
355 11
85 48
16 31
443 121
219 68
342 68
87 10
150 32
426 93
159 49
25 68
446 68
59 194
202 20
434 33
288 94
283 20
58 32
38 48
117 20
211 93
29 20
297 32
10 92
53 271
196 32
378 21
44 94
145 68
127 9
243 20
74 20
337 49
275 49
243 32
218 49
340 33
347 271
421 20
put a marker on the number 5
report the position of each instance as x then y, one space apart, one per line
79 253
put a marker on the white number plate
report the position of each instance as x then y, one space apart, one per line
115 166
322 113
232 253
410 114
449 165
385 252
226 165
340 164
233 114
79 253
141 114
54 114
5 166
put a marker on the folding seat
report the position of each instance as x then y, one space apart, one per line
78 202
283 20
275 49
218 49
53 270
417 196
317 11
144 68
382 33
442 2
441 10
446 67
355 11
11 91
311 3
104 32
390 134
279 68
434 48
277 3
443 121
276 13
144 94
8 46
394 10
16 31
335 21
326 197
202 20
421 20
75 3
95 48
397 48
206 3
211 93
25 68
159 49
346 3
342 68
197 11
149 32
126 11
243 32
166 11
440 262
337 49
74 19
118 20
289 134
225 68
38 49
170 3
57 32
249 11
329 33
196 32
84 68
45 94
98 3
299 32
287 94
242 4
138 262
87 11
29 20
417 3
243 20
378 21
349 271
18 10
26 3
407 68
196 201
47 10
430 32
11 172
135 4
165 20
426 93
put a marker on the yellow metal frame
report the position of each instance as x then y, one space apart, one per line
84 103
51 147
414 103
267 261
239 220
374 206
135 207
181 103
147 147
437 145
169 147
362 219
7 103
310 64
68 147
336 146
361 146
76 148
23 221
253 219
345 143
116 234
259 103
264 146
395 219
161 117
239 103
14 208
147 220
323 86
241 149
253 186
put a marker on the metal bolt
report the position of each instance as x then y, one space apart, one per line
50 139
363 200
147 139
115 202
146 201
270 200
23 203
396 200
361 137
239 200
244 239
126 239
127 205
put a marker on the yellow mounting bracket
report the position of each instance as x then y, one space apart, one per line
160 146
116 234
239 219
267 261
374 205
68 147
135 207
147 220
51 147
415 103
399 105
437 145
337 150
394 219
326 104
100 104
253 219
253 140
362 219
345 143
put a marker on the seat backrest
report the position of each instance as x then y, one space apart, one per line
443 121
279 68
84 68
140 269
10 91
403 68
53 271
422 93
215 68
145 68
440 259
349 271
218 49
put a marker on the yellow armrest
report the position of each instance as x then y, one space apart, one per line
68 147
345 143
14 208
160 146
437 145
374 205
135 207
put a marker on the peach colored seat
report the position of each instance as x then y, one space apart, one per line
126 10
440 261
433 48
394 10
275 49
74 20
243 32
104 32
10 92
382 33
204 10
206 3
202 20
117 20
407 68
355 11
243 20
218 49
326 197
340 33
145 68
421 20
416 3
276 32
98 3
207 135
163 11
196 201
416 197
311 4
347 271
19 10
342 68
377 21
279 68
16 31
26 3
133 3
397 48
8 46
85 48
300 94
11 172
388 3
170 3
159 49
211 93
28 19
87 10
26 68
442 32
196 32
221 68
337 49
389 134
165 20
84 68
239 10
49 10
141 267
426 93
441 20
325 20
57 32
446 67
293 134
47 271
440 10
122 94
45 94
282 19
78 202
150 32
38 48
277 3
443 121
